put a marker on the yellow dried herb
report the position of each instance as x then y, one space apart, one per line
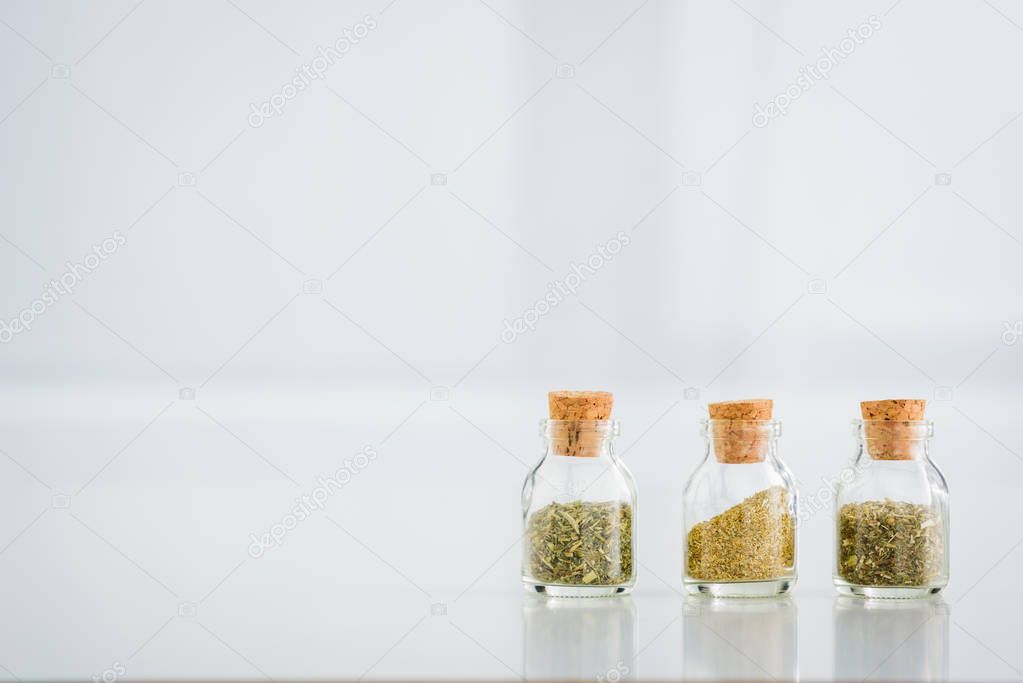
580 543
751 541
889 543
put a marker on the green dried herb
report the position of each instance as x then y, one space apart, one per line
751 541
889 543
587 544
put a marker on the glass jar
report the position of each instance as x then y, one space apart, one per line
891 510
739 507
578 512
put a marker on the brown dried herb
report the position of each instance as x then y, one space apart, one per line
889 543
751 541
579 543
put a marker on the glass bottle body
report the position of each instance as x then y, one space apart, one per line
578 512
891 514
739 512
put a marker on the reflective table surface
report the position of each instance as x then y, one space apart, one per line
149 535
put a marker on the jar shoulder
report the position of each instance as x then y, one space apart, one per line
565 478
709 474
918 481
714 487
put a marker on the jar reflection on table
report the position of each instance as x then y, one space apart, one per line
579 639
739 639
891 640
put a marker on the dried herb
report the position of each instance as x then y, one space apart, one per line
579 543
889 543
751 541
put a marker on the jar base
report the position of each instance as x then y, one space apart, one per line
888 592
740 589
555 590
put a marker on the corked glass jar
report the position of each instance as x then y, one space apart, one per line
579 503
739 507
891 507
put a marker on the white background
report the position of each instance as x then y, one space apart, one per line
817 260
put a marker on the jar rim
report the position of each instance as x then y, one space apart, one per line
772 427
908 430
607 427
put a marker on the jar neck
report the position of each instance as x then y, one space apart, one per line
741 442
579 438
894 439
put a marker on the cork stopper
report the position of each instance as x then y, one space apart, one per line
576 411
749 409
737 437
894 409
886 430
